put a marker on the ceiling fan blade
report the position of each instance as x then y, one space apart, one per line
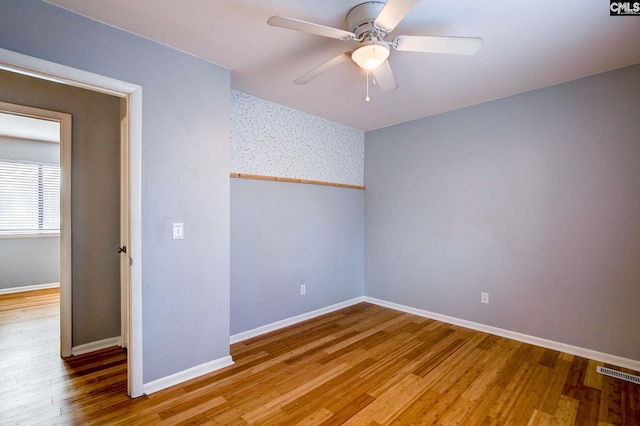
393 12
323 68
434 44
309 27
385 78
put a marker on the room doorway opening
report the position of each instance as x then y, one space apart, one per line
131 95
35 211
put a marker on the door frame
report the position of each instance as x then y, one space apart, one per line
125 220
132 93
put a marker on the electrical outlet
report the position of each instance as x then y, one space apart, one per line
303 289
484 298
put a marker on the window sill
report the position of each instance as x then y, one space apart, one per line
19 235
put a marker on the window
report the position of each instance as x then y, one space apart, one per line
29 198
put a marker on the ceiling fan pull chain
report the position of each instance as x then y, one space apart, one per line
367 98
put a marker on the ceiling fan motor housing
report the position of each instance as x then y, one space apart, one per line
360 20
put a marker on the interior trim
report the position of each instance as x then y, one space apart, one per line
96 346
294 180
33 287
188 374
238 337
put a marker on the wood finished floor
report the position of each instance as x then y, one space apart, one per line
363 365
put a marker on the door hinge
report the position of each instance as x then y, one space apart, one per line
122 249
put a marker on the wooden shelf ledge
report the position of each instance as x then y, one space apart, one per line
294 180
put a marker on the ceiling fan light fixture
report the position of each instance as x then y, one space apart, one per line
371 55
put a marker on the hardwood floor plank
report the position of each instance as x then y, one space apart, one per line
489 365
539 418
316 418
276 404
567 411
479 412
438 357
348 409
388 405
589 407
592 378
630 403
187 410
555 386
334 385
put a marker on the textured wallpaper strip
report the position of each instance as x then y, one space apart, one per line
269 139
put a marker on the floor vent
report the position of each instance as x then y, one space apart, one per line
618 375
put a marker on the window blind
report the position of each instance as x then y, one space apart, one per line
29 198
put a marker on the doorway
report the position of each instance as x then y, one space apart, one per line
132 96
31 166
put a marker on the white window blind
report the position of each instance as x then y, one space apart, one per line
29 198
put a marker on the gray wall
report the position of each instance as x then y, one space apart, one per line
29 261
185 174
287 234
534 198
95 206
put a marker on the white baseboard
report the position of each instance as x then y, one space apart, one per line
549 344
29 288
188 374
292 320
96 346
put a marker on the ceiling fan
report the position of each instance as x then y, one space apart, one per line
369 24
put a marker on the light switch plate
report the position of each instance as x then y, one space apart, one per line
178 231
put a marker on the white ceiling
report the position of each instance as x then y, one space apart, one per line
527 45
